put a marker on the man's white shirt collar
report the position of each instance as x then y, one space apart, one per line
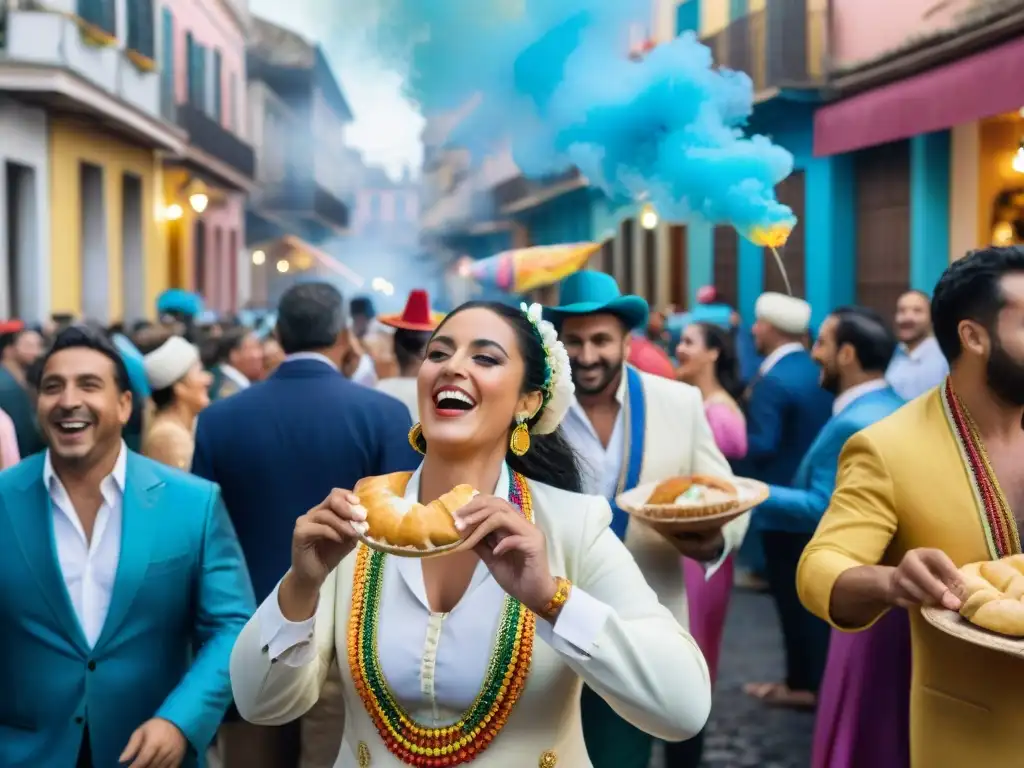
772 359
115 481
844 400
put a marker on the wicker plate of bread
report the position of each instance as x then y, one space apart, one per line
992 614
405 528
692 502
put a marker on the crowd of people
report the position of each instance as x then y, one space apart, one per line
156 614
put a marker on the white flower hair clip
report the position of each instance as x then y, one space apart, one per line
558 387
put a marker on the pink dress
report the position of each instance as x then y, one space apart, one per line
708 600
9 455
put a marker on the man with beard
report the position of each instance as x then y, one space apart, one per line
918 364
630 428
935 486
853 348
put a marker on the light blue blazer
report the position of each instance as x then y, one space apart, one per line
798 508
180 597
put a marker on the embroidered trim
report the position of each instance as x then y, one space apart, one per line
1001 533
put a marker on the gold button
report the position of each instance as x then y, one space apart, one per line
363 753
548 760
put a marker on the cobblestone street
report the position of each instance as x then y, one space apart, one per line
743 733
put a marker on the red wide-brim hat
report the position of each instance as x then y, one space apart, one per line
416 316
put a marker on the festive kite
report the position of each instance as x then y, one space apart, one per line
523 269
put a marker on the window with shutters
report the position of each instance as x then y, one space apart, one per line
141 27
196 72
218 100
101 13
168 99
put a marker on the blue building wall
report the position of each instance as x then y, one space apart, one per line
568 218
829 219
930 159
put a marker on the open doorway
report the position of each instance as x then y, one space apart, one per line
22 245
133 289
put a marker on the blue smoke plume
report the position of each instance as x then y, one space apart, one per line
554 78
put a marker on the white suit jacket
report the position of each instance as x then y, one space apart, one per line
677 441
643 662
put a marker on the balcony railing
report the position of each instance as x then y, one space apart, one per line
208 135
785 45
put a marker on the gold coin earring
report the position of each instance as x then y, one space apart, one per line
519 443
415 436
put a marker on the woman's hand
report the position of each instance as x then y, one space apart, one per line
512 548
324 535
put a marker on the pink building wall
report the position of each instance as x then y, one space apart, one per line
215 28
863 30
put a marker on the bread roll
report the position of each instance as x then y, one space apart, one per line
994 591
394 520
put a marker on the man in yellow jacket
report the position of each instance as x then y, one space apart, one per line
927 490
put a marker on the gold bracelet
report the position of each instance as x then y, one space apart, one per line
554 606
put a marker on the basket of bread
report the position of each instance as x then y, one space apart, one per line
692 502
399 526
992 611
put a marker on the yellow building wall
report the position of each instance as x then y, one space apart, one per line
180 234
714 17
72 143
998 141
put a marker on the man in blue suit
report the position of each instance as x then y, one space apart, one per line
785 408
122 585
853 350
278 448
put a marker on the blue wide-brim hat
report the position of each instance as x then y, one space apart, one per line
595 293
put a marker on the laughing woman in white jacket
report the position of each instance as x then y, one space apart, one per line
479 655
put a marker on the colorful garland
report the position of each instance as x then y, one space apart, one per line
461 742
1000 527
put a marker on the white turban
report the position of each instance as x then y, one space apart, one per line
786 313
169 362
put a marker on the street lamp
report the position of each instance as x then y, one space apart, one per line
282 266
258 258
198 201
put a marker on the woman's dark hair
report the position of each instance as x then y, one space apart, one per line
551 459
727 369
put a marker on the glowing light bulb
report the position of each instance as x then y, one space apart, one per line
648 217
199 201
282 266
1018 160
173 212
258 258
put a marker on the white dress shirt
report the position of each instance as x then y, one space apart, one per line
89 567
402 388
235 376
845 399
772 359
434 663
600 467
311 356
366 372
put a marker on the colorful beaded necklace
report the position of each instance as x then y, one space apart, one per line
461 742
996 517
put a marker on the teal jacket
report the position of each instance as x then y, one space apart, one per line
180 597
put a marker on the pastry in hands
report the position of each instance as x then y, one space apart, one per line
993 595
393 519
695 495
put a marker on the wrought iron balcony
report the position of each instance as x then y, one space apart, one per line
784 45
208 136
